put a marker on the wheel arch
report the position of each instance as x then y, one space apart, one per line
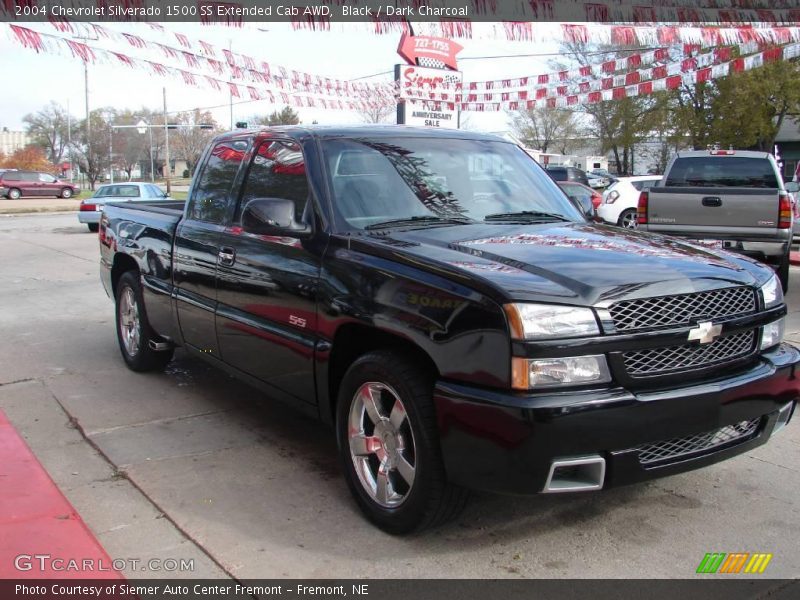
122 264
353 340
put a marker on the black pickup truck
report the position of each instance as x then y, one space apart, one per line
436 298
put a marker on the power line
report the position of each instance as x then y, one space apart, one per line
542 54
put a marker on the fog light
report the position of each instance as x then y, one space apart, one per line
772 334
553 372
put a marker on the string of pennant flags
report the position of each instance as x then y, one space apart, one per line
199 54
562 89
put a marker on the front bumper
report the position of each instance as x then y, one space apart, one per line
506 443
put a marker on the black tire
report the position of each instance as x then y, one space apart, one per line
93 227
783 273
143 357
14 194
627 219
66 193
430 500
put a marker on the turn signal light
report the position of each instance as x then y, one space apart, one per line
785 208
641 210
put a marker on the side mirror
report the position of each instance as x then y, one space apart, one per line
272 216
792 187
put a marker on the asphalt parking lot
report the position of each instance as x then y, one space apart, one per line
192 464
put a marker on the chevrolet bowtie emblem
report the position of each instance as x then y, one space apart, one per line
705 332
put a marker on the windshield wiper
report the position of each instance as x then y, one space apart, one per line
420 220
526 215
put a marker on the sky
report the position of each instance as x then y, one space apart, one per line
33 80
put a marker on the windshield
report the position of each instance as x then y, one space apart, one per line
426 180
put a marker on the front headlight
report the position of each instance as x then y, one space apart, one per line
546 321
772 292
552 372
612 196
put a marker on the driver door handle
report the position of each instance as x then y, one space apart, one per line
226 255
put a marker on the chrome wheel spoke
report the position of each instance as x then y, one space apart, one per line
398 414
383 491
370 397
363 445
406 469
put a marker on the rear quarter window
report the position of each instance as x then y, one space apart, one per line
722 171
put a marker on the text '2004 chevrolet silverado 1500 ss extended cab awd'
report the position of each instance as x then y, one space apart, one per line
436 297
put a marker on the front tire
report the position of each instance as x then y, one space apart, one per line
389 444
628 219
14 194
134 333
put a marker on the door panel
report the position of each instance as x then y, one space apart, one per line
196 251
266 316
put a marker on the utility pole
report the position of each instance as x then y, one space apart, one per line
166 140
69 143
111 152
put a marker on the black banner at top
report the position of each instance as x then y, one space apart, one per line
319 13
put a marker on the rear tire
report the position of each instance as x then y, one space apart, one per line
14 194
628 219
134 333
389 444
66 193
783 273
93 227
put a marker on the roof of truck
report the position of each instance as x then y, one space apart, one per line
346 131
723 152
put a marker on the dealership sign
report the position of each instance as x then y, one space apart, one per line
415 84
429 51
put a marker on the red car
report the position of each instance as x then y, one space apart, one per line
15 184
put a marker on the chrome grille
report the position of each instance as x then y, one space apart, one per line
678 447
682 309
656 361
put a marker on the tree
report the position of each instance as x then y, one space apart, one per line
92 151
378 113
189 142
48 129
545 128
750 107
29 158
286 116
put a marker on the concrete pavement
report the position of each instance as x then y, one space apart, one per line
192 464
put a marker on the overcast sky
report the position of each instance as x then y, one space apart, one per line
32 80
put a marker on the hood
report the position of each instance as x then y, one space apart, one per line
576 263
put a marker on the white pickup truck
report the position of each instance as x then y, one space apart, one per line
731 199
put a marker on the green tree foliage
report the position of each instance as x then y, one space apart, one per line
286 116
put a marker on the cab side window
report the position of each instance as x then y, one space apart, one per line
211 196
278 170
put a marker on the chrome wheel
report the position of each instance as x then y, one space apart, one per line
130 327
382 444
628 220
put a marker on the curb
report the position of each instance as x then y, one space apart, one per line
38 210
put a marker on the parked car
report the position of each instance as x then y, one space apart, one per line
596 181
621 199
91 208
568 174
16 184
585 198
453 338
731 199
605 173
